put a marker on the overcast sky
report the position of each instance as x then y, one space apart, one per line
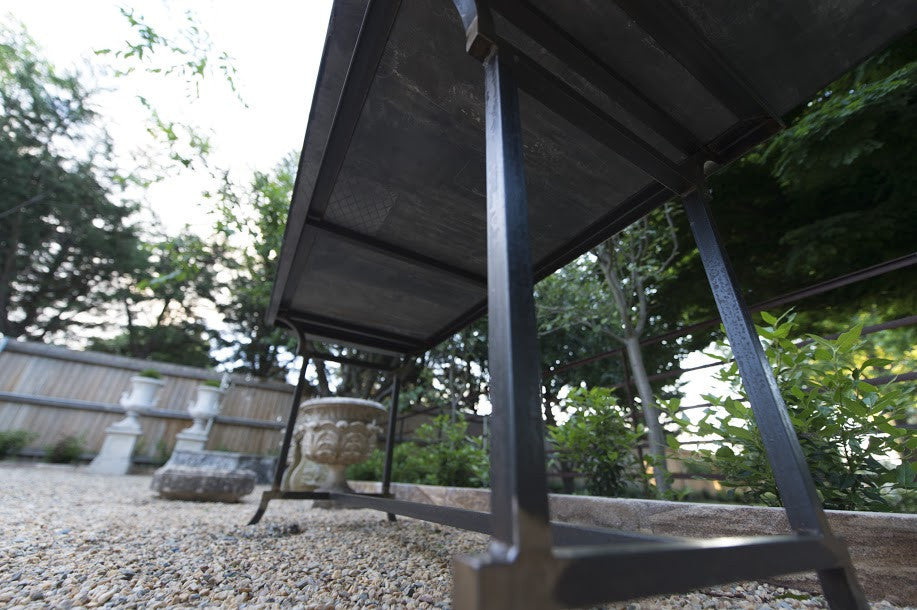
276 46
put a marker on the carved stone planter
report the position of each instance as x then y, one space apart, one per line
337 432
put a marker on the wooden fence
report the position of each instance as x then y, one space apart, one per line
55 392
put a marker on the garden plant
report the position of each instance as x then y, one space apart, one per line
849 428
598 442
441 453
13 441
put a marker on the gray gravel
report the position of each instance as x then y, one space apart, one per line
70 539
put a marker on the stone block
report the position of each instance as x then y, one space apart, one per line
203 484
207 476
187 440
262 465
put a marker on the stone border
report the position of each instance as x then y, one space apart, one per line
883 546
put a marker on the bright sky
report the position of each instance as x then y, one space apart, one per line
276 46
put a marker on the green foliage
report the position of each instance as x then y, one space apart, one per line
180 50
846 426
65 451
251 221
179 342
64 244
212 383
13 441
609 298
177 275
188 54
835 192
443 454
162 453
599 442
151 373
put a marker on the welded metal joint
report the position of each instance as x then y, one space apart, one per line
480 35
487 583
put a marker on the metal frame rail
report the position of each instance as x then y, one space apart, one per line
531 562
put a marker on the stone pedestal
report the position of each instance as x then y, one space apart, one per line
190 440
117 449
207 476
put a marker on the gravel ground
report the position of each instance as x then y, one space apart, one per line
71 539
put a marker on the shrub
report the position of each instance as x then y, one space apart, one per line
212 383
65 451
443 454
151 373
162 453
12 441
598 441
846 426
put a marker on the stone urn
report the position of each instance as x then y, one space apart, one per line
142 395
204 407
337 432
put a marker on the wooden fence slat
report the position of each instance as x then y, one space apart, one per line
45 371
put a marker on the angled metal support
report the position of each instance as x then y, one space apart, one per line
390 441
544 31
562 99
570 105
797 491
288 431
679 37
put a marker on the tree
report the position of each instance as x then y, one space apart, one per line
187 343
160 317
562 339
611 294
250 222
63 241
835 192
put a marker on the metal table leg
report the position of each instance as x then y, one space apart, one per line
390 441
287 434
797 491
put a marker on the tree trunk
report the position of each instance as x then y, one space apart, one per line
7 277
131 331
654 430
322 375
